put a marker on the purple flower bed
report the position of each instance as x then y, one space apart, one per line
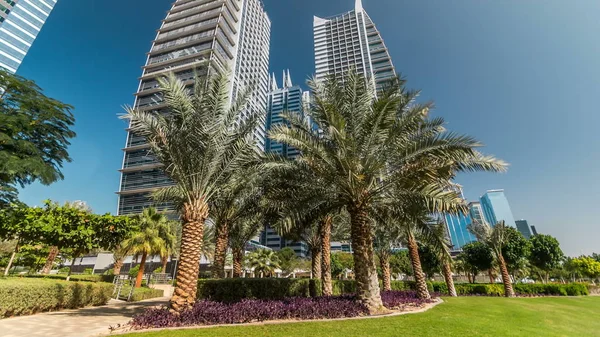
246 311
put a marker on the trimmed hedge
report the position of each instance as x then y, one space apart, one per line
30 296
497 289
140 294
77 278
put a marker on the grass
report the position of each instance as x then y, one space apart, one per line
463 316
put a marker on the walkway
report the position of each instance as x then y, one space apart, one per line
86 322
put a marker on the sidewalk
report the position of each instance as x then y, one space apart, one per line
86 322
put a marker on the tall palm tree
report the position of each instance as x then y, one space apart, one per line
438 242
149 239
201 141
264 262
363 146
495 238
385 238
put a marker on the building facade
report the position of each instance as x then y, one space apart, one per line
197 36
457 225
351 41
476 212
523 228
496 208
20 23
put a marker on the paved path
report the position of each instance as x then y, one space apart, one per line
86 322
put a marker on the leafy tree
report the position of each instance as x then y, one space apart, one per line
587 266
400 263
340 262
596 256
288 260
201 142
150 238
430 261
495 238
263 261
546 254
21 224
516 249
477 257
34 136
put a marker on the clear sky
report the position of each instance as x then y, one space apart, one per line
521 76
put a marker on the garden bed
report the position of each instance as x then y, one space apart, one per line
205 312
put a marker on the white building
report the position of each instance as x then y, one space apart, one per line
351 41
20 23
229 35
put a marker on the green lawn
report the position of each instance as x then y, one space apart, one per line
464 316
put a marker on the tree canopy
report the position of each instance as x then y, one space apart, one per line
545 253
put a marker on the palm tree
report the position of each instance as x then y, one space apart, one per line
495 238
263 261
169 236
200 141
385 238
364 146
148 240
240 234
438 242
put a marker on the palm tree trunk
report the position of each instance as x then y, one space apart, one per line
50 260
164 260
315 256
508 288
490 276
140 274
384 260
222 238
12 258
238 257
117 266
447 271
421 283
326 257
194 215
365 271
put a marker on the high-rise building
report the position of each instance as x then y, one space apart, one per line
476 212
496 208
534 230
457 226
20 23
197 36
351 41
523 228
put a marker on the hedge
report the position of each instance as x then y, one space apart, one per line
30 296
77 278
497 289
140 294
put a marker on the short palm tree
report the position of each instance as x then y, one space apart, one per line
386 237
363 145
168 234
437 240
240 234
495 238
148 240
263 261
200 140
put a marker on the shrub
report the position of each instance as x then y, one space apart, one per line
77 278
88 271
157 270
140 294
29 296
233 290
571 289
134 271
63 270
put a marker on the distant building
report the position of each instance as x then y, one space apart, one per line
533 230
345 247
523 228
271 239
496 208
20 23
457 224
476 212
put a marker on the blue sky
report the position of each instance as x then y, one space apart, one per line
521 76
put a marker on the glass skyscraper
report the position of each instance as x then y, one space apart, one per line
20 23
523 228
457 225
196 36
496 208
351 40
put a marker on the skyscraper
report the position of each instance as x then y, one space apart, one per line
523 228
20 23
457 226
496 208
196 36
476 212
351 40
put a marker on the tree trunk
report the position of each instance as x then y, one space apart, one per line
238 259
365 271
327 284
50 260
193 216
117 266
491 276
140 274
508 288
12 258
71 267
421 282
447 271
164 260
384 260
221 240
315 256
